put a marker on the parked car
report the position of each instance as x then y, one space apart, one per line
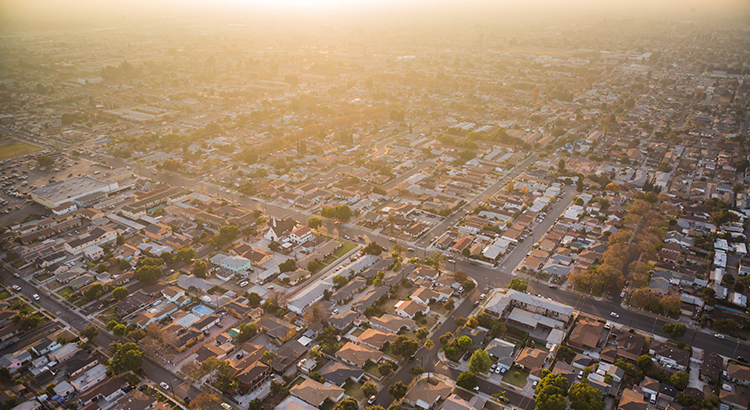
613 314
164 386
718 336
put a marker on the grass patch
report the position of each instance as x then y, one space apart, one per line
81 302
516 376
109 314
344 249
372 369
354 390
173 277
17 149
296 381
66 291
43 277
327 405
357 332
4 294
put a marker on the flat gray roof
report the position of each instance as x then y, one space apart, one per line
72 188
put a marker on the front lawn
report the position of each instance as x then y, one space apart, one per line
372 369
4 294
43 277
354 390
65 292
344 249
516 376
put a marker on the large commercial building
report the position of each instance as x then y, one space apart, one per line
56 194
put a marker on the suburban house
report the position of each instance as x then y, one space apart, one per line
358 354
316 393
669 356
301 235
279 330
410 308
425 395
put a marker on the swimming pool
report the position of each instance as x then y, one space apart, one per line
202 310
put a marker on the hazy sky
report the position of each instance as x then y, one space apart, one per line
90 10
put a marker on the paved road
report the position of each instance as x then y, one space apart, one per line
152 369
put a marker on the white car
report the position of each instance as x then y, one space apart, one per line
622 295
164 386
482 296
226 406
613 314
16 288
243 283
719 336
35 296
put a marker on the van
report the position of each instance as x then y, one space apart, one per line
653 398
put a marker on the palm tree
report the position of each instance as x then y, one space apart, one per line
429 344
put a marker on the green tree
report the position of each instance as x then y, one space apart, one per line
148 273
349 403
120 240
727 326
467 380
247 330
253 299
125 357
422 332
120 293
199 268
416 370
90 332
372 248
680 379
398 390
480 362
340 280
404 346
101 267
551 392
518 284
445 338
674 330
369 389
463 342
184 255
584 397
94 291
314 222
644 362
288 265
460 321
45 161
120 330
386 367
561 165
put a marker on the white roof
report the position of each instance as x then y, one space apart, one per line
533 319
499 301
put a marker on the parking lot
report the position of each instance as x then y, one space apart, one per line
19 176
